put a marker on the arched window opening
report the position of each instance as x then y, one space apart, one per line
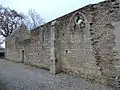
79 21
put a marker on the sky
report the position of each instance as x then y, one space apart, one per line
48 9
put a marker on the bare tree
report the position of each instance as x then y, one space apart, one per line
9 21
2 39
33 19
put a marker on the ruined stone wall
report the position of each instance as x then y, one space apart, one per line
91 50
37 50
85 42
14 46
103 39
13 52
75 50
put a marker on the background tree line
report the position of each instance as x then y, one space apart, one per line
11 19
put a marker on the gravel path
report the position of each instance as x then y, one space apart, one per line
17 76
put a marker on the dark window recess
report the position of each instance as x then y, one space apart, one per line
90 29
92 33
112 0
22 56
116 7
92 39
66 51
111 11
116 4
43 39
63 34
77 20
91 24
56 60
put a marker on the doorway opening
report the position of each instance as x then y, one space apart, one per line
22 56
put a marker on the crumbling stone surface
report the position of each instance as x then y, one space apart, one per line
85 42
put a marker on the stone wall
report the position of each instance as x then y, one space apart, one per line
37 50
85 42
75 50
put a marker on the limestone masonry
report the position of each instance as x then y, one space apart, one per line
85 42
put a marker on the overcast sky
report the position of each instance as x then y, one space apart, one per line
48 9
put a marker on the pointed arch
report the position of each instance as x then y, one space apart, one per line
77 20
77 14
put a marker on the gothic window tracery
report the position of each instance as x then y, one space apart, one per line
79 21
77 27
